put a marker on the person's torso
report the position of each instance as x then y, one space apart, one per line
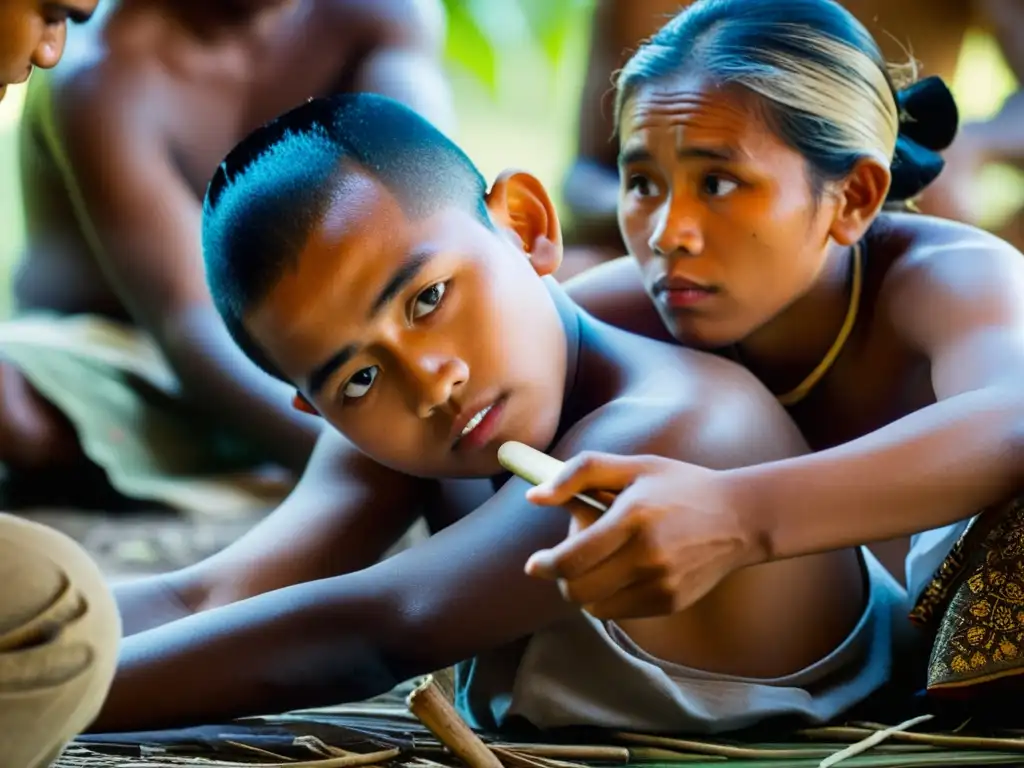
201 102
636 386
879 377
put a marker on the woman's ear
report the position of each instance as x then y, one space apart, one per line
860 196
518 202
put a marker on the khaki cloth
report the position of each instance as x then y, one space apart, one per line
59 635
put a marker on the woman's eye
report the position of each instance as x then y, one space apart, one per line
428 300
719 186
360 382
642 185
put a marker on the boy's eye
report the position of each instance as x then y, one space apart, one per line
642 185
719 186
428 300
360 382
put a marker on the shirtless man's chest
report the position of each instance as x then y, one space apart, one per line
200 100
208 109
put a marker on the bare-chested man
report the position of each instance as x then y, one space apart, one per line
117 148
933 31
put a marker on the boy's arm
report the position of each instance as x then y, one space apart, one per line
348 637
461 592
343 515
143 222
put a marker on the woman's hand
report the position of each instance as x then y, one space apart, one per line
670 536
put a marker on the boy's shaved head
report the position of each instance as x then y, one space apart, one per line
356 253
276 186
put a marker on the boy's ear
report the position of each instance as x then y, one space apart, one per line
518 202
300 403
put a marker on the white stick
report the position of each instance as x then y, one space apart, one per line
875 738
537 467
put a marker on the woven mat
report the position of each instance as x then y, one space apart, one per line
382 732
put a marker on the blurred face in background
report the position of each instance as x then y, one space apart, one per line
32 34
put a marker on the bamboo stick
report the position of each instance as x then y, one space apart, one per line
721 750
661 755
931 739
434 710
597 753
512 759
875 738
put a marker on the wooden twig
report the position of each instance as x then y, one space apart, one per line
718 750
512 759
947 740
596 753
434 710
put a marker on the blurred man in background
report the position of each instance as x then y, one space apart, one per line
116 355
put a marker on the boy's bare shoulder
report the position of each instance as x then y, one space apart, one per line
692 406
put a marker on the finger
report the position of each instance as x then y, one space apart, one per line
618 572
585 550
642 600
590 471
657 597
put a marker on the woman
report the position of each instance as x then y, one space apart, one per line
761 144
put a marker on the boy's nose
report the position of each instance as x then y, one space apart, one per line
438 377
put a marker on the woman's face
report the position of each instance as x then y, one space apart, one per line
717 209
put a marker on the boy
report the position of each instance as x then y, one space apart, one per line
354 252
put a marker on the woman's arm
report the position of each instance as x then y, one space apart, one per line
961 308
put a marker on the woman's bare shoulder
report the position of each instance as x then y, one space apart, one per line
937 270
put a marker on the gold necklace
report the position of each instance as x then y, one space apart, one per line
801 390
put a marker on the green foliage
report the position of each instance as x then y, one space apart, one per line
479 31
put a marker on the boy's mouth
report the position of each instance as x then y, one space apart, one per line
474 427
